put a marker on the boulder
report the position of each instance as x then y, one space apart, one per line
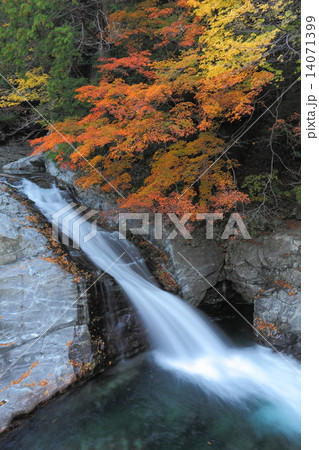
29 164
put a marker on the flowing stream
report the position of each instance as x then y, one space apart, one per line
183 342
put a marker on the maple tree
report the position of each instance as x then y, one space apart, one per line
176 71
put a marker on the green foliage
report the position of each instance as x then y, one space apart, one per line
255 185
263 187
297 191
51 155
8 117
59 37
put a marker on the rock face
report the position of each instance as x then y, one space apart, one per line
92 198
51 330
254 263
277 316
266 272
204 257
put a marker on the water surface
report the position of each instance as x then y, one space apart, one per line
143 407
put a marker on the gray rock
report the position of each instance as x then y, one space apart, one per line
67 176
254 265
204 257
39 316
91 197
266 272
275 307
29 164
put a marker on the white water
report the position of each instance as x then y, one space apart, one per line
182 340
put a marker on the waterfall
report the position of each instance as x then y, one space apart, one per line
182 340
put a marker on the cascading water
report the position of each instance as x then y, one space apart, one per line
182 340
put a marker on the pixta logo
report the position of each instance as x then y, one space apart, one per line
234 227
73 225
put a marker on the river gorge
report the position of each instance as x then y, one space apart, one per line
181 379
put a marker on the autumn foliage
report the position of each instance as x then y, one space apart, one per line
32 88
176 72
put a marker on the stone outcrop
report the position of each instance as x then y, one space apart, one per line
277 316
92 198
252 265
52 332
